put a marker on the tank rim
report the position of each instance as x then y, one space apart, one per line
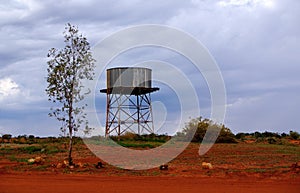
129 68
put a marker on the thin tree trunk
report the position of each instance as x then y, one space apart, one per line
70 133
71 111
70 149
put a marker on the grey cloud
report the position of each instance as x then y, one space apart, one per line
256 49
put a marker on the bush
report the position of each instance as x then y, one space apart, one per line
196 129
284 135
53 150
134 145
272 140
129 136
240 136
31 149
294 135
267 134
257 135
226 139
259 140
6 136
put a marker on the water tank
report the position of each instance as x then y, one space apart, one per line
131 77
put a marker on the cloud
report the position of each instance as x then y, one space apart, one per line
13 96
247 3
265 113
8 89
255 43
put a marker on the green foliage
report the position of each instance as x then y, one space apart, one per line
196 129
256 170
129 136
226 136
272 140
294 135
133 140
6 136
31 149
257 135
269 137
136 145
53 150
267 134
284 135
5 150
41 167
47 149
240 136
67 68
16 159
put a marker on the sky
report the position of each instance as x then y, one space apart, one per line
255 43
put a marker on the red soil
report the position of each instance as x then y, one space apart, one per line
237 168
61 183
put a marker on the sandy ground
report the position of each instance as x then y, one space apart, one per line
241 168
60 183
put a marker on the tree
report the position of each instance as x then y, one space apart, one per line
225 136
257 134
6 137
197 126
67 68
240 136
196 129
294 135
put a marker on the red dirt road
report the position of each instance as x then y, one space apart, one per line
49 183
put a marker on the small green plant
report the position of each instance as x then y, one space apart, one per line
129 136
136 145
6 150
31 149
41 167
15 159
53 150
256 170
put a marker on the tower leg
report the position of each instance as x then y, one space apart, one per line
107 115
128 113
138 113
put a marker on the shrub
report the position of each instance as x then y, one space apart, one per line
271 140
240 136
6 136
196 129
259 140
31 149
226 139
294 135
22 140
134 145
257 135
284 135
53 150
129 136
